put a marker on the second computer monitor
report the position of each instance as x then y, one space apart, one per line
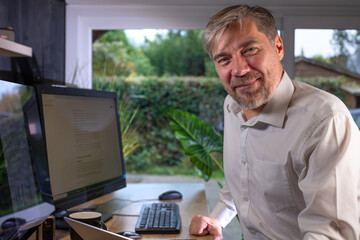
83 144
21 206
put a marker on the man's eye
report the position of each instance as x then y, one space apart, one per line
222 61
250 51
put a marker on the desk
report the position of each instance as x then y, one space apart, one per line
193 203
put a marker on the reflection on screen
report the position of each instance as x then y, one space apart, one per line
19 193
16 168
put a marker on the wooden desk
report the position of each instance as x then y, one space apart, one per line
134 195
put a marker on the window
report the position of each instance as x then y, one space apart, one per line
329 59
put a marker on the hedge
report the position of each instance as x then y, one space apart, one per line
201 96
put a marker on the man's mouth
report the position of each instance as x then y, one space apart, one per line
244 85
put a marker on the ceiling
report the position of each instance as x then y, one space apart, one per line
268 3
278 7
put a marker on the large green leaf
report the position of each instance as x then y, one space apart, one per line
198 140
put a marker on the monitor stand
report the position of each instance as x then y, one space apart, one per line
106 209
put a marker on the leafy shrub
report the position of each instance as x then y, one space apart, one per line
198 95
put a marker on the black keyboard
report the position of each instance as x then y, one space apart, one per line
159 218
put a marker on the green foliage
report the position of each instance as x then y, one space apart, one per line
198 140
111 58
201 96
131 139
321 59
331 84
115 36
142 65
179 53
210 70
130 71
113 55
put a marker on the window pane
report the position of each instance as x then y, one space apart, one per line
330 59
313 42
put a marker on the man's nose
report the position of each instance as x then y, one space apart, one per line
240 66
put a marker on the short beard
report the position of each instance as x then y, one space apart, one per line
247 100
247 103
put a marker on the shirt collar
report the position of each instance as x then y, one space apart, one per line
275 110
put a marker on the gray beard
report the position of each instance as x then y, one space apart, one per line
244 103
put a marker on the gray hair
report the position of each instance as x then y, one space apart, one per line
221 21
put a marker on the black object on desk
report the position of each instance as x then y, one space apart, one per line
132 235
170 195
159 218
12 222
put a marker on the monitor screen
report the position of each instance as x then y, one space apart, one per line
82 138
21 204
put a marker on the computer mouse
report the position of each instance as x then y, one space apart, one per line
12 222
170 195
132 235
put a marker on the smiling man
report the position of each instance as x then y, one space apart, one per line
291 151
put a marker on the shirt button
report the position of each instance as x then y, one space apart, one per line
243 163
252 231
245 199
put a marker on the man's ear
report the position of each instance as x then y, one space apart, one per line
279 47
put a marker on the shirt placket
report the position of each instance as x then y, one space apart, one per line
244 175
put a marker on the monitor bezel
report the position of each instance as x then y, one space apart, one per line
96 190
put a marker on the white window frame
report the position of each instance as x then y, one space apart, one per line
310 22
82 19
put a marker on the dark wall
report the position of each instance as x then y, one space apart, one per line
39 24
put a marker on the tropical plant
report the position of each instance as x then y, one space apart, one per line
198 140
128 126
128 117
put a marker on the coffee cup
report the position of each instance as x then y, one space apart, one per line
88 217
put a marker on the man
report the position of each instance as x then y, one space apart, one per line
291 151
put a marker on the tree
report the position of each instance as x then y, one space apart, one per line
179 53
344 40
321 59
115 36
113 55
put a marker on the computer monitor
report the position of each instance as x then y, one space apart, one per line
82 142
21 205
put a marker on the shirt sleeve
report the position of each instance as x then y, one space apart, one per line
329 180
225 209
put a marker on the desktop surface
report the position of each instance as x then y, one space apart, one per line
135 194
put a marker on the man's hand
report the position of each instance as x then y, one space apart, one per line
201 225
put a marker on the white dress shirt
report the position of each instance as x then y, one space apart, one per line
292 172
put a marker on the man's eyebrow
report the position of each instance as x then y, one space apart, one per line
242 45
219 55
